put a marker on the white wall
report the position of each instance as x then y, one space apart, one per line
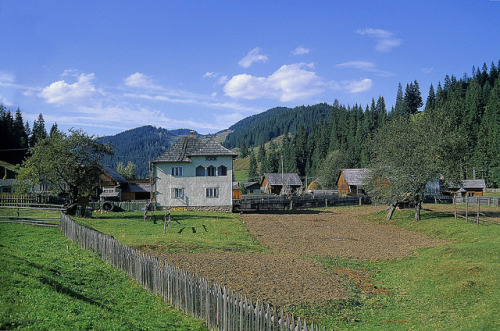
194 187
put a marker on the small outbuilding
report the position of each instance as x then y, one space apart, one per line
275 183
469 187
350 181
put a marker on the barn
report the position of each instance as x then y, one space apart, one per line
350 181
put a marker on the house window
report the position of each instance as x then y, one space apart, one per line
222 171
212 192
176 171
210 158
177 193
200 171
211 171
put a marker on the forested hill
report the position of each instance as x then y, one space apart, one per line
140 145
263 127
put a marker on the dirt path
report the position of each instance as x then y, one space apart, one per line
288 275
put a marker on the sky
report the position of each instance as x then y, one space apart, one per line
109 66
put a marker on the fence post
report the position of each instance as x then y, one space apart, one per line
478 203
455 206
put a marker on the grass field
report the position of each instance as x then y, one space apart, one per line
451 287
188 231
47 283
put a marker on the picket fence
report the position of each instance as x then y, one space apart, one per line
220 307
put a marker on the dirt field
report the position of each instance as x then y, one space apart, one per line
288 275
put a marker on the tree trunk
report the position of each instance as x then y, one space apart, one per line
418 207
392 208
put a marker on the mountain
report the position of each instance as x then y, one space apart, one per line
261 128
140 145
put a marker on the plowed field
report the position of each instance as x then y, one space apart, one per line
288 274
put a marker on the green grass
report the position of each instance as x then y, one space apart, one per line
188 232
47 283
450 287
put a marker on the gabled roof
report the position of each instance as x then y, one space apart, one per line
355 176
186 147
114 175
470 184
290 179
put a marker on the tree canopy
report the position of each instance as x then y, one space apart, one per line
70 163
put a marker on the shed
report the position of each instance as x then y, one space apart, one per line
350 181
469 187
274 183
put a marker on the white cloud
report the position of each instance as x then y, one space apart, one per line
357 86
140 80
427 70
60 92
252 57
6 78
209 74
300 50
364 66
288 83
223 80
385 39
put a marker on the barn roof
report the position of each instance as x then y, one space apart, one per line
114 175
290 179
355 176
470 184
186 147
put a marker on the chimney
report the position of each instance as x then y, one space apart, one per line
191 133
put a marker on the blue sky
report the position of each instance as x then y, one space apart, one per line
108 66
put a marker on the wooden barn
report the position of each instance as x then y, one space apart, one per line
469 187
350 181
274 183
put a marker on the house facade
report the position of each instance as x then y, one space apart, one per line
195 174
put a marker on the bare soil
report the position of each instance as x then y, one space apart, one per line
288 275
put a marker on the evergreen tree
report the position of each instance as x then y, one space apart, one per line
261 154
252 168
38 132
412 99
430 104
399 105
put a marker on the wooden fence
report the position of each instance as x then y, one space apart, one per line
272 202
483 201
25 200
219 307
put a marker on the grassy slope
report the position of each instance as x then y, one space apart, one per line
47 283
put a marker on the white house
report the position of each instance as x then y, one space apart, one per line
195 174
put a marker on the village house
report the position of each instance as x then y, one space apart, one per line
274 183
195 174
115 187
350 181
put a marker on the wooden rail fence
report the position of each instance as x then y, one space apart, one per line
218 306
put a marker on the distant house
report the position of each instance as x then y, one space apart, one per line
350 181
117 188
469 187
7 185
250 188
195 174
274 183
